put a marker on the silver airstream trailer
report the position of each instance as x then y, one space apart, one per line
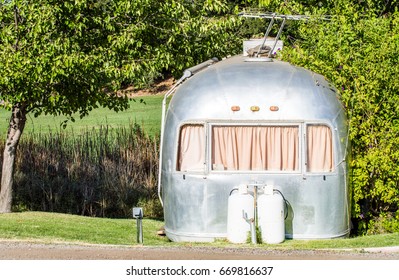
256 122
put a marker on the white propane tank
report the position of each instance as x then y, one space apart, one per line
271 216
239 215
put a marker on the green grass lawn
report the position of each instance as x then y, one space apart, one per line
147 113
55 227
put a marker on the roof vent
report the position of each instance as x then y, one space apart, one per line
251 47
258 59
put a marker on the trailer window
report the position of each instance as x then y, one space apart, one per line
269 148
191 148
319 149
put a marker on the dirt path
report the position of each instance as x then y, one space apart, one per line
12 250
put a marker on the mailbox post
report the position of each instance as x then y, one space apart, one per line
138 215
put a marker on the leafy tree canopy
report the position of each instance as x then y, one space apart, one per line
61 57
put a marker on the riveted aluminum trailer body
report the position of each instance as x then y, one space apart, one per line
243 93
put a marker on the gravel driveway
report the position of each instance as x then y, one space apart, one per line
22 250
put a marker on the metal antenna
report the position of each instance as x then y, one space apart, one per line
255 14
273 17
266 35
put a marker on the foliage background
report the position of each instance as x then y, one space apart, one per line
357 50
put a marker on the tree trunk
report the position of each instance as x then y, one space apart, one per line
15 129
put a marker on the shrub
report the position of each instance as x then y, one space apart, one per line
359 55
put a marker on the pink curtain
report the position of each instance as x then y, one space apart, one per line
255 148
319 149
191 154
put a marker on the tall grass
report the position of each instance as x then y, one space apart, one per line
100 172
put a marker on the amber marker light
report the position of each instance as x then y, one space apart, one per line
255 108
274 108
235 108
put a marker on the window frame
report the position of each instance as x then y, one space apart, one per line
302 154
305 150
177 147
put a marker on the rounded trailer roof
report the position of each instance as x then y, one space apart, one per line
296 93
